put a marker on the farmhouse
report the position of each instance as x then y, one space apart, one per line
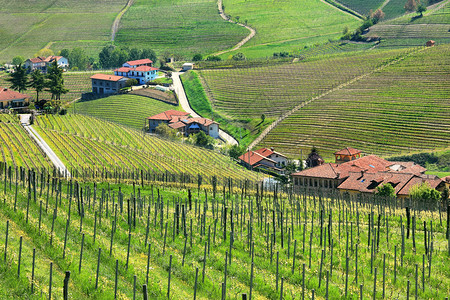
12 99
107 84
354 173
42 63
183 123
188 66
141 70
264 158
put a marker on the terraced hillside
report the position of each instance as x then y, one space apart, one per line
408 30
287 25
401 108
274 89
87 144
76 82
17 149
28 26
362 7
129 110
178 27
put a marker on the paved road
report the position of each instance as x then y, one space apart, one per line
245 40
25 120
178 86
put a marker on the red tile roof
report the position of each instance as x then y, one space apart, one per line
177 125
167 115
107 77
8 95
203 121
253 158
348 151
433 181
368 182
145 69
123 69
139 62
446 179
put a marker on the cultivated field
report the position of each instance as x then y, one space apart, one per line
400 109
287 25
88 145
129 110
362 7
178 27
28 26
185 244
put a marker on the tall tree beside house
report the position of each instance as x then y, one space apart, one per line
37 82
18 79
18 60
55 83
105 57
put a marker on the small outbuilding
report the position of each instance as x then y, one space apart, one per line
188 66
430 43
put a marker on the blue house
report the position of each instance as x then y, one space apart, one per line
141 70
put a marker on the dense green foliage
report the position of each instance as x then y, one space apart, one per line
179 28
401 108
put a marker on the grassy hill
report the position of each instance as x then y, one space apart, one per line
129 110
409 30
180 27
28 26
399 109
86 144
287 25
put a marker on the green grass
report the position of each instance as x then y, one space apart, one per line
28 26
294 219
287 25
244 129
178 27
129 110
362 7
402 108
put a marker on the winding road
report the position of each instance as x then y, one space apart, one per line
179 90
245 40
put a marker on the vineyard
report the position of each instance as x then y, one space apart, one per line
362 7
275 89
76 82
287 25
122 241
28 26
401 108
88 146
407 32
176 27
129 110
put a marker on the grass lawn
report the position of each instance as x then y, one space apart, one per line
288 25
178 27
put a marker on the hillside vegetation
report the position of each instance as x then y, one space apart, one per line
287 25
401 108
28 26
87 145
129 110
180 27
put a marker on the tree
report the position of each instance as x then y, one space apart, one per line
55 83
239 56
213 58
132 82
377 16
425 193
134 54
18 60
65 53
44 52
37 82
18 79
118 57
149 53
197 57
263 118
410 5
78 58
105 57
165 131
235 151
203 140
444 195
421 9
385 190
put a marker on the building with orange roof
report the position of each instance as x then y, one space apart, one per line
347 154
107 84
264 158
42 63
12 99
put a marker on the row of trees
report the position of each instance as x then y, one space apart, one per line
52 82
112 57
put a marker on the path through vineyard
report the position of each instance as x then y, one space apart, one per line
59 165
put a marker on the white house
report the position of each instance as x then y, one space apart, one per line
142 74
42 63
137 63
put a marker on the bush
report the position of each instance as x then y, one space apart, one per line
197 57
239 56
213 58
132 82
63 111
